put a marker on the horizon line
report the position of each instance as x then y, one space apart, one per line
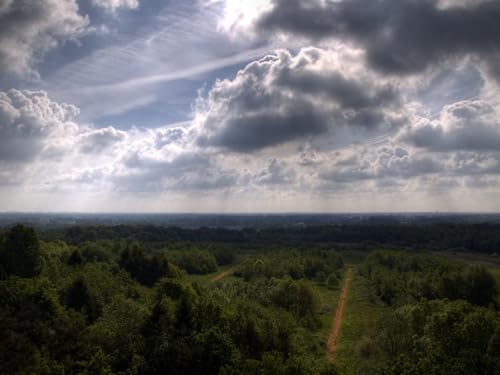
251 213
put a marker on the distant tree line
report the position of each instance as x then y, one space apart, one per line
433 236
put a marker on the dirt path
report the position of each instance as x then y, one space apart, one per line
339 315
221 275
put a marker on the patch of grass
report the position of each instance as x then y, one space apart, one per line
354 257
354 354
205 279
328 304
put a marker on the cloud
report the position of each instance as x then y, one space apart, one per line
113 5
185 172
62 156
466 125
42 145
98 140
29 29
283 98
276 173
168 136
27 120
399 36
387 162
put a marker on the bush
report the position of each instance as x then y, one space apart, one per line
333 281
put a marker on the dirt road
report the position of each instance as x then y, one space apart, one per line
339 315
221 275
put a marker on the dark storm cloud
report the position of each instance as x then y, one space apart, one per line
283 98
399 36
252 132
349 93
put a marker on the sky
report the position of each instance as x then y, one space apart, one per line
249 106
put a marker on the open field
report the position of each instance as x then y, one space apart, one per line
338 317
360 317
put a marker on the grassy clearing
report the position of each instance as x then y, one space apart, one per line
360 317
328 298
205 279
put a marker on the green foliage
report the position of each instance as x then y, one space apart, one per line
297 265
100 251
333 281
380 233
38 335
102 306
119 332
298 297
224 256
194 261
20 253
439 337
480 286
79 298
75 259
147 269
400 277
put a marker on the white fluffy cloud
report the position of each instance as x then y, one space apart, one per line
29 29
98 140
27 120
466 125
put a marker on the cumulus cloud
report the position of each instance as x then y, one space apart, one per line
97 140
283 98
169 136
186 172
400 37
27 120
387 162
29 29
276 173
62 155
41 142
466 125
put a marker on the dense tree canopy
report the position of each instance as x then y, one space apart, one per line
119 305
20 252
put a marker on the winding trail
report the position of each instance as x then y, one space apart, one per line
339 315
222 275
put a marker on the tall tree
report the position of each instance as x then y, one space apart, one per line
21 252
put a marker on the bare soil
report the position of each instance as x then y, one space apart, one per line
337 319
222 275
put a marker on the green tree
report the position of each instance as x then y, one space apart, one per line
75 258
21 254
79 298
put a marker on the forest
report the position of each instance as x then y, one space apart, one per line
142 299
